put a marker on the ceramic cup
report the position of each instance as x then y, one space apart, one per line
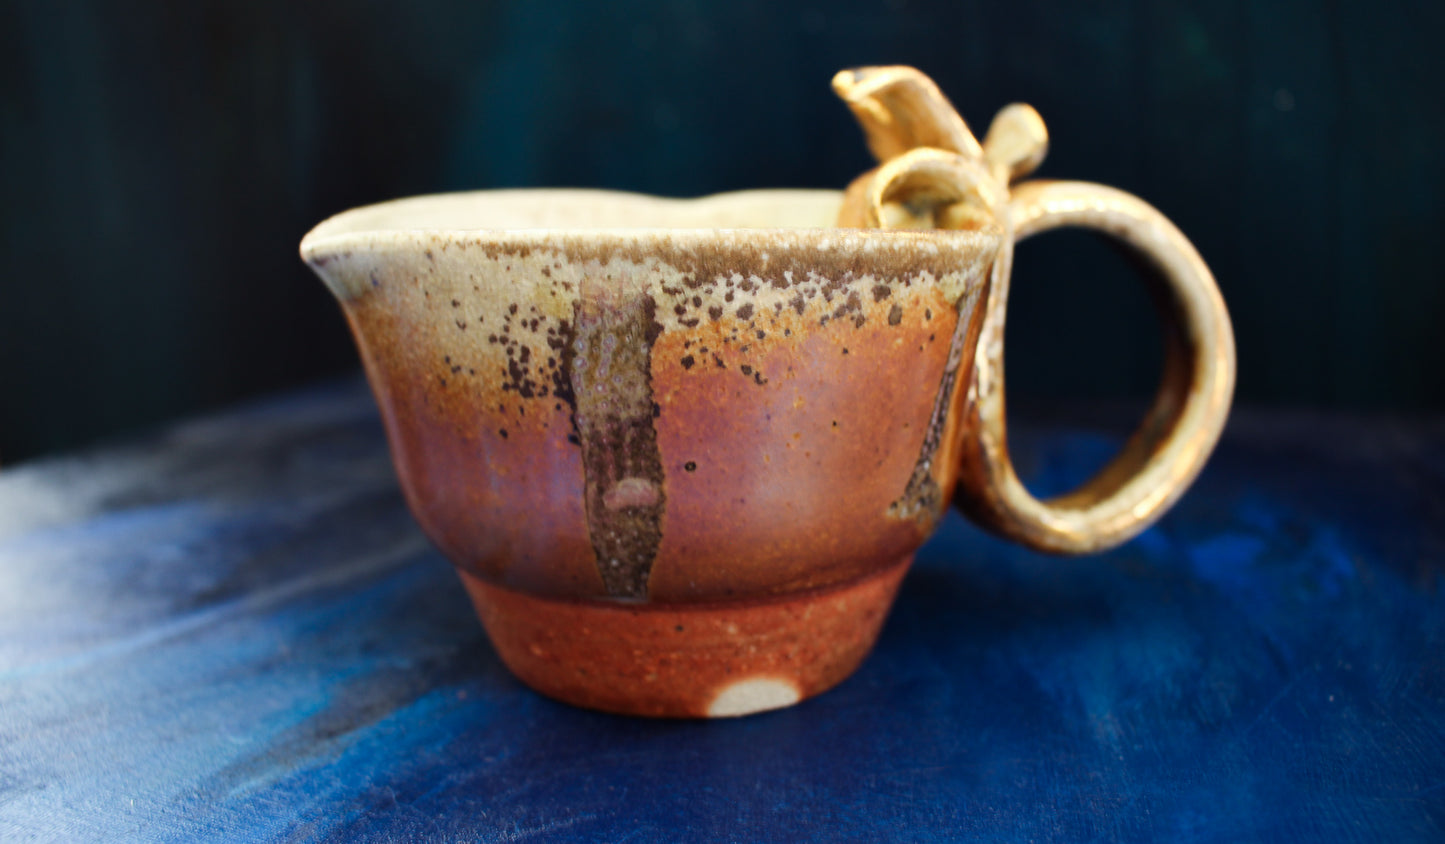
682 451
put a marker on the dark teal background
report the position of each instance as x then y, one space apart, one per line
159 162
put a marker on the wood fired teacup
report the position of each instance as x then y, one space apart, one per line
682 452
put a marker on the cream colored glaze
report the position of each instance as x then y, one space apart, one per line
577 211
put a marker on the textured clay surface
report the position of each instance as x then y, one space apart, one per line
688 660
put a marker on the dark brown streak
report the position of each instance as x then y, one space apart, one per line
610 373
922 500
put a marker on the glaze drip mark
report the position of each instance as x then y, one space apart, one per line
610 367
922 499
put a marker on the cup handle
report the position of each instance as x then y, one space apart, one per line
1180 430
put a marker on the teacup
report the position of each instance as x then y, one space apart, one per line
682 452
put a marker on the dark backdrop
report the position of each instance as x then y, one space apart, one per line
160 160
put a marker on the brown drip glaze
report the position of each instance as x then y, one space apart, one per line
611 374
552 436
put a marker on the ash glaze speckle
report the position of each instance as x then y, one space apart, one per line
588 348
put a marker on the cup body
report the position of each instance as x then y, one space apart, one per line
680 451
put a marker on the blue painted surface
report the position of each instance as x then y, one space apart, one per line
234 630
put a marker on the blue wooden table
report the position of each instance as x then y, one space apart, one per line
234 630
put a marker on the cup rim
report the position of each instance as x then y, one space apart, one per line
347 230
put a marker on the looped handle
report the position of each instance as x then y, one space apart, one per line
1169 449
934 174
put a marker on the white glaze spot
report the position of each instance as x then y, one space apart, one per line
756 694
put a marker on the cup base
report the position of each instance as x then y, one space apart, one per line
688 660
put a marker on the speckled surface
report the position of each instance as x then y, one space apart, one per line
647 415
234 630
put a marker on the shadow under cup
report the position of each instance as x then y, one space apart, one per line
681 451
